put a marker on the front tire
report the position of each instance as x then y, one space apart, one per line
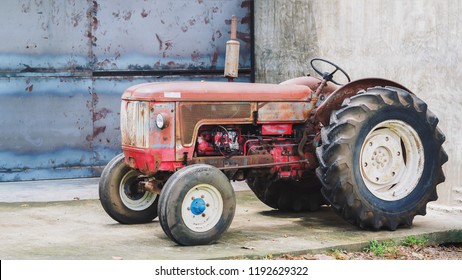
381 158
197 205
120 196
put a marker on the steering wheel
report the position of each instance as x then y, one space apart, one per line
326 75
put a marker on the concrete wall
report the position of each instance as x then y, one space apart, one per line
417 43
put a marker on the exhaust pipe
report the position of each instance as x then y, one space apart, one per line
232 53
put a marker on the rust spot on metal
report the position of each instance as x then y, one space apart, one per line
184 28
94 23
200 1
215 57
168 45
192 21
101 114
145 13
29 88
98 130
245 4
160 41
103 63
170 63
95 5
246 19
218 34
243 36
127 15
206 20
195 56
228 21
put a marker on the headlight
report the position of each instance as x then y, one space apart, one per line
162 120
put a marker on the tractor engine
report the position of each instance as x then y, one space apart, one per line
279 143
219 141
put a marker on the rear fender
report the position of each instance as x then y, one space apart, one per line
335 100
311 82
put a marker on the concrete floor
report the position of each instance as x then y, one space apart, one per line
64 220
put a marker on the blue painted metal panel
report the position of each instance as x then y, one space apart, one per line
45 123
44 35
180 34
58 119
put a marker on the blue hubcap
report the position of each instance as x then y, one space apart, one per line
198 206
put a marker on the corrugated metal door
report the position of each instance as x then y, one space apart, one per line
64 65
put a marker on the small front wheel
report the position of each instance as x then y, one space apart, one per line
197 205
121 197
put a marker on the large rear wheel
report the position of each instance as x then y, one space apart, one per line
381 158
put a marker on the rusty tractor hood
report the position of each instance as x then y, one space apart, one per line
216 91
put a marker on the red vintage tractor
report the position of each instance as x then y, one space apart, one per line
370 149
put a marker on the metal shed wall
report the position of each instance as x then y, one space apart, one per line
64 65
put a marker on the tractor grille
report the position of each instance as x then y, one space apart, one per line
134 123
192 113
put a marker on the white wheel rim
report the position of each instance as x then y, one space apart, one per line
202 208
391 160
134 200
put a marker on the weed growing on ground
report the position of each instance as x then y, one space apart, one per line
381 248
415 241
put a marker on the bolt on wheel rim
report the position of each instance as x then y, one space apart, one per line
131 197
391 160
202 208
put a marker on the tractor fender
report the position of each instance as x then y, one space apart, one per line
334 101
311 82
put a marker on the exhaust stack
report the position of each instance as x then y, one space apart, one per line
232 53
